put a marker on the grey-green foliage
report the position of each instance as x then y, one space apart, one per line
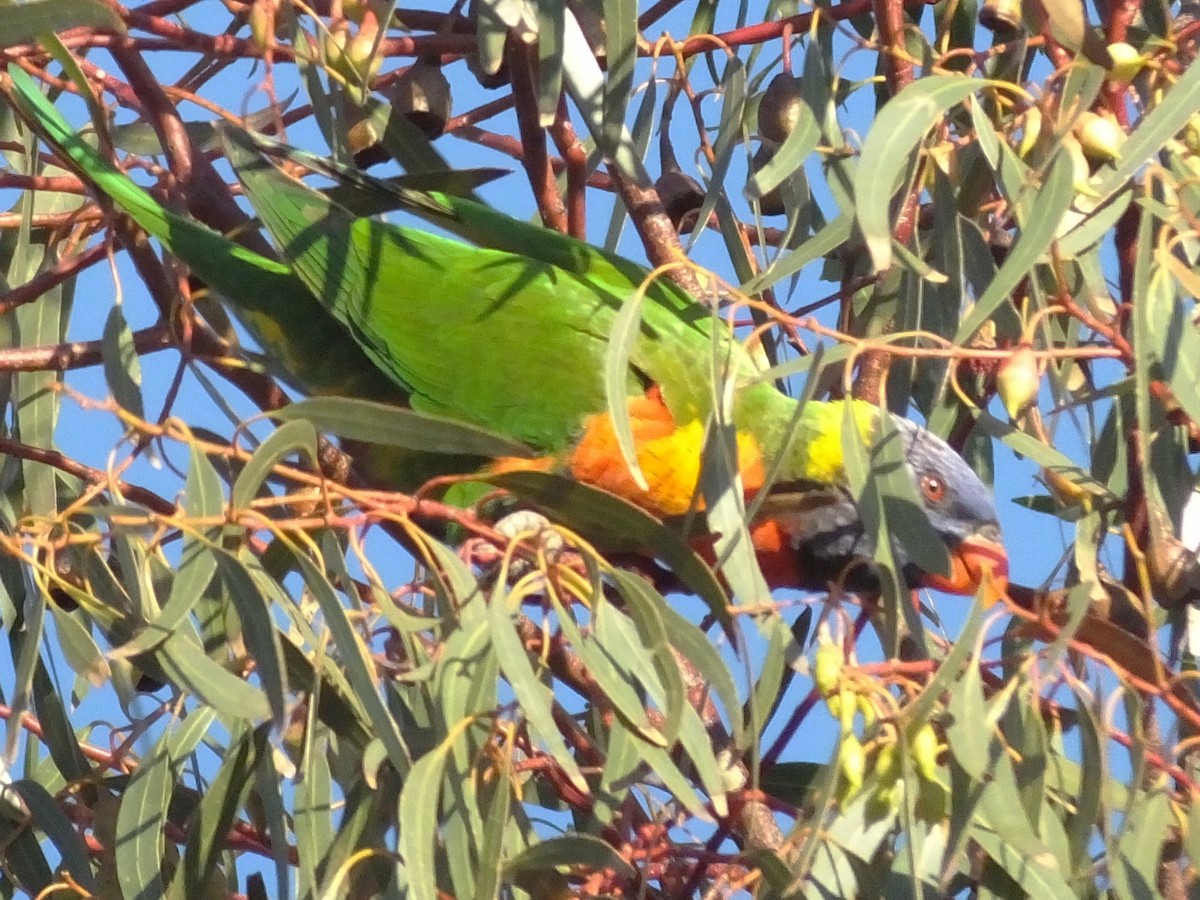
224 670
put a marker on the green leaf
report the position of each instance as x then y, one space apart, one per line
142 817
1068 24
355 660
79 648
647 610
1043 454
261 635
419 804
1051 203
569 850
775 675
26 643
588 87
202 498
968 734
1174 341
57 732
35 398
209 826
292 438
498 820
269 785
896 132
191 670
727 518
733 87
1141 845
790 156
1037 880
380 423
919 709
23 22
624 671
314 808
905 512
871 508
1089 796
24 857
1095 227
620 31
48 817
686 639
122 365
534 697
616 382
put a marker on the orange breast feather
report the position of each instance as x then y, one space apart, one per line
668 453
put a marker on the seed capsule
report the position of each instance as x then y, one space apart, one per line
770 203
422 95
779 109
680 194
1001 16
363 139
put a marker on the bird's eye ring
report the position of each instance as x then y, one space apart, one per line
933 488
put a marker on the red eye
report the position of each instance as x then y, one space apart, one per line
933 488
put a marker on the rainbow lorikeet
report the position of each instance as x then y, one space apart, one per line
515 335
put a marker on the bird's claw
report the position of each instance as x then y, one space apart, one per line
537 530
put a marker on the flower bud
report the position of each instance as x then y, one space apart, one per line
333 44
1018 380
887 762
363 139
1127 62
361 54
1083 171
1100 137
923 748
1191 133
1031 131
847 706
852 767
262 24
867 710
827 668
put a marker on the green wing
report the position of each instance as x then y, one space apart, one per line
268 295
515 343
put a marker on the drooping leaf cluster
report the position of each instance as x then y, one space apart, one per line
256 650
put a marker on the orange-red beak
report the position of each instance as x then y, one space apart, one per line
976 561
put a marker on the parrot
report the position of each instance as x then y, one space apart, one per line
514 332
